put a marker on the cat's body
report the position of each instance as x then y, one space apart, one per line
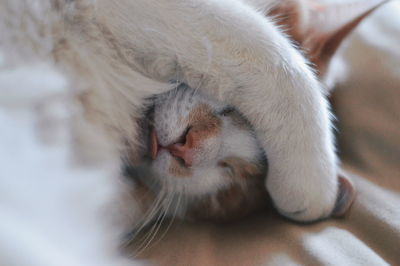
203 155
115 54
237 55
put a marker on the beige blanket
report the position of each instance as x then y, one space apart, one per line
368 107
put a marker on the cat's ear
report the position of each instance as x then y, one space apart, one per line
345 197
320 28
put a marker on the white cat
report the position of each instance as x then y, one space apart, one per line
114 54
117 53
233 52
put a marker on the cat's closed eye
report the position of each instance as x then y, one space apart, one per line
228 109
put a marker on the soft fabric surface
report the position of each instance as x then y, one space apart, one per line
368 107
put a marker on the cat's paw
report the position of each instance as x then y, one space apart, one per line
313 202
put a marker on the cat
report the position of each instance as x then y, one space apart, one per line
115 54
211 206
203 156
213 201
302 178
237 55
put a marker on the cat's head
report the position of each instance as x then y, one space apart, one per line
199 146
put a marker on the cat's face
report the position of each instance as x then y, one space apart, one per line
199 146
205 152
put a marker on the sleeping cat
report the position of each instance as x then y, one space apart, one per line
206 191
235 53
204 153
114 54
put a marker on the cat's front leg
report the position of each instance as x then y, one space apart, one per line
283 100
272 86
292 119
296 133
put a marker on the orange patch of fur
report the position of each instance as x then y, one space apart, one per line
203 122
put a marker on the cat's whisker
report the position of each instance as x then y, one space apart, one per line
172 219
142 246
157 213
148 216
166 210
157 206
156 227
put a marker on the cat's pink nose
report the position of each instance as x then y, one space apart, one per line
183 151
